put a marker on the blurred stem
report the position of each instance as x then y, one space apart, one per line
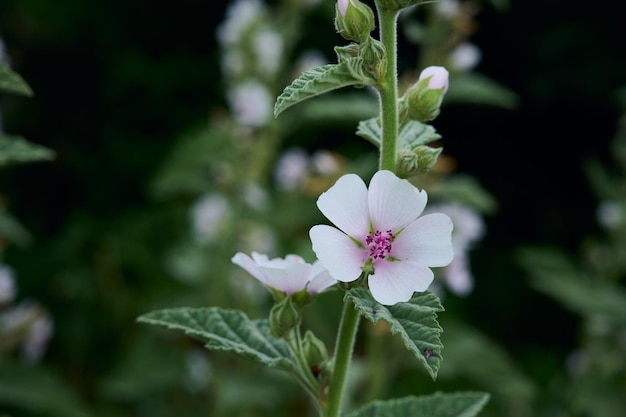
305 376
377 368
346 336
388 88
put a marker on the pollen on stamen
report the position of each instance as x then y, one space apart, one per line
379 243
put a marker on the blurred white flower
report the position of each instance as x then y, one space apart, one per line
7 284
255 196
251 104
199 370
447 8
465 56
469 228
207 215
309 59
268 47
239 15
610 214
36 341
30 325
260 237
291 169
325 162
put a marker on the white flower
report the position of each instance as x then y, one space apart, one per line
207 216
251 104
465 56
381 233
7 284
239 16
291 168
289 275
447 8
610 214
268 47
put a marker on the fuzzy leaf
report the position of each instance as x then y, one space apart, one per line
320 80
226 330
15 149
370 129
459 404
414 134
12 82
415 321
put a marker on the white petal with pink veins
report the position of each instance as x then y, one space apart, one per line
339 254
427 240
395 282
345 204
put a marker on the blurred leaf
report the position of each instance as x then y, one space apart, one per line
12 82
460 404
12 230
415 321
317 81
465 189
38 391
370 129
477 89
226 330
15 149
554 274
340 108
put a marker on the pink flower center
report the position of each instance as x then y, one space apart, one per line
379 243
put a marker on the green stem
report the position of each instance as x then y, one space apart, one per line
343 354
388 88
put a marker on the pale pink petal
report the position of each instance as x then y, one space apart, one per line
340 254
428 240
395 282
345 204
291 279
249 265
320 279
394 202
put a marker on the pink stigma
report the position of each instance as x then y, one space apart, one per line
379 243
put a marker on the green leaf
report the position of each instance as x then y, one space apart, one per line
414 134
415 321
477 89
320 80
465 189
15 149
12 82
370 129
459 404
226 330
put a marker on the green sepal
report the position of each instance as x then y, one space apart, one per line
321 80
415 321
284 317
227 330
12 82
458 404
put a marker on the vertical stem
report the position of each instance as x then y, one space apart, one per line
388 88
343 354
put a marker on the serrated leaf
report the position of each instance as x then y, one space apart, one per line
370 129
320 80
12 82
459 404
415 321
15 149
226 330
414 134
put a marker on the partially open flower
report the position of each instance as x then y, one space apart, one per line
381 234
287 275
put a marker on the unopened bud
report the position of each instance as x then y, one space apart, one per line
284 317
315 351
417 161
425 96
354 20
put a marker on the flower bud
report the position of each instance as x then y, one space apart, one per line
315 351
426 95
284 317
417 161
354 20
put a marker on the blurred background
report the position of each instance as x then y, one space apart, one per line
159 158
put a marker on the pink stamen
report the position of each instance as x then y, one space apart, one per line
379 243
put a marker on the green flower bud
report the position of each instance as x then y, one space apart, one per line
354 20
284 317
416 161
425 96
315 351
373 54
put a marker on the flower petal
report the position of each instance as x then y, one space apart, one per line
394 202
428 240
338 252
320 278
292 278
249 265
345 204
395 282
